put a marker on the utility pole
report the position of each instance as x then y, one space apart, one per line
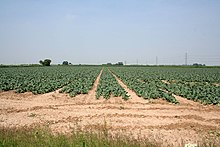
186 56
125 62
156 60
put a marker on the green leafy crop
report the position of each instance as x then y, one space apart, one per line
108 86
192 83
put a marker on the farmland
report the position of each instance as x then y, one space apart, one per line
166 104
39 80
193 84
109 86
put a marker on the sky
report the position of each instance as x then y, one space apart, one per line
103 31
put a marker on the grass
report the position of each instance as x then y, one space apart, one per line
39 137
42 137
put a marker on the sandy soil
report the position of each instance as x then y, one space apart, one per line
187 122
217 84
165 81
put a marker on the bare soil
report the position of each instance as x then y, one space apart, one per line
217 84
187 122
165 81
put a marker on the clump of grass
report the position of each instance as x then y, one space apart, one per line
32 115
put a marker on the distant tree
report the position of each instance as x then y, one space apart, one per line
197 64
41 62
46 62
119 63
109 63
65 63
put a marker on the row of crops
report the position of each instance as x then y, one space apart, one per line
108 86
143 84
71 80
198 84
39 80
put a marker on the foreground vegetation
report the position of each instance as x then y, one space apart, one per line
40 137
36 137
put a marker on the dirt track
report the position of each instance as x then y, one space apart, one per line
187 122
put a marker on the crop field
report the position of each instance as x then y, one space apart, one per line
39 80
194 84
170 105
149 83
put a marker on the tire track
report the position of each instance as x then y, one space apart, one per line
107 106
173 126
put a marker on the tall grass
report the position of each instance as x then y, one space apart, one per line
39 137
42 137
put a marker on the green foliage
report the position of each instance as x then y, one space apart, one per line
108 86
24 137
40 80
191 83
65 63
46 62
83 81
198 91
198 84
142 84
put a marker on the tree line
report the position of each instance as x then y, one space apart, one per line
47 62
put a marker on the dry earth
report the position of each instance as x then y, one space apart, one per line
187 122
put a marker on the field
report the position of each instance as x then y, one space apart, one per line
166 105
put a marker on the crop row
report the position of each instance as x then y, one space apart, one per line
82 82
147 88
148 82
198 91
40 80
186 82
108 86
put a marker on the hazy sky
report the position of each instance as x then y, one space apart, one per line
100 31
